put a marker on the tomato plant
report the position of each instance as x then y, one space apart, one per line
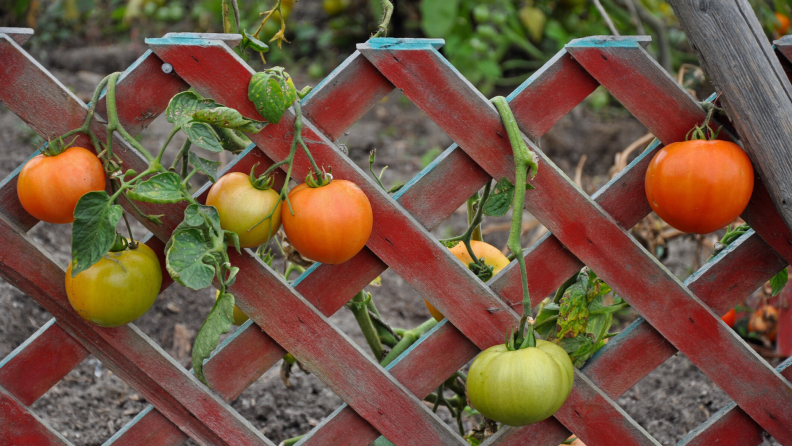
699 186
331 223
50 184
730 318
247 207
239 317
489 254
519 387
117 289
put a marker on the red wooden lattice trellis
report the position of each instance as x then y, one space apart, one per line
584 230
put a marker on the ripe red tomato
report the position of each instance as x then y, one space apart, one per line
50 186
117 289
491 255
699 186
783 23
331 223
730 318
241 206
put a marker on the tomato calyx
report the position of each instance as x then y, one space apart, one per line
325 179
525 337
704 132
55 147
263 182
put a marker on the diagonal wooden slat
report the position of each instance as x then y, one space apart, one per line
20 35
19 426
206 58
26 376
645 283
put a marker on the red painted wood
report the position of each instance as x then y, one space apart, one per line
596 239
731 426
40 362
784 338
20 35
149 428
18 426
124 350
356 84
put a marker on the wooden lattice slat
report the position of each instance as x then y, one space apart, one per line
400 232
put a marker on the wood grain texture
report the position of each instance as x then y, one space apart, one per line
20 35
40 362
734 52
19 426
124 350
645 283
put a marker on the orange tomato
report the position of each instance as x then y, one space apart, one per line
331 224
699 186
730 318
50 186
491 255
783 23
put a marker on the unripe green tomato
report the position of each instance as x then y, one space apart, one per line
241 206
150 8
117 289
499 17
162 14
487 32
315 70
481 13
520 387
478 45
175 12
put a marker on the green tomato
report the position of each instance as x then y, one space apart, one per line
241 206
520 387
487 32
117 289
478 45
499 17
481 13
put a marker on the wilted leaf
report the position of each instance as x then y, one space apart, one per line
202 135
161 188
229 118
206 166
217 323
94 229
183 106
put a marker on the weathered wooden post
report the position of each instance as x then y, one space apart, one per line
736 54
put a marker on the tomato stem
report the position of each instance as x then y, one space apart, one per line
358 306
408 339
472 212
387 11
474 224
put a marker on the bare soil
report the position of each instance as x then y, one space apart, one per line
92 403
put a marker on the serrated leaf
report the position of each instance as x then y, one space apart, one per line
187 251
208 167
183 106
202 135
573 308
161 188
248 41
94 229
217 323
228 118
779 281
272 92
579 348
500 200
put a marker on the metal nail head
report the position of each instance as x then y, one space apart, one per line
167 68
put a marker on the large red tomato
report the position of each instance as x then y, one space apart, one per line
50 186
699 186
730 318
331 223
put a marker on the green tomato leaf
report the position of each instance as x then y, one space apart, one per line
547 312
580 348
382 441
94 229
779 281
272 92
228 118
183 106
438 16
185 256
161 188
573 308
232 273
500 200
233 240
203 217
202 135
217 323
204 165
248 41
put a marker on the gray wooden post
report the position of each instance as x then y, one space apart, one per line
735 53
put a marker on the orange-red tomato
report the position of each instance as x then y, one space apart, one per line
783 23
241 206
50 186
730 318
491 255
699 186
331 223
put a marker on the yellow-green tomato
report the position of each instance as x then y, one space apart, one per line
117 289
520 387
241 206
